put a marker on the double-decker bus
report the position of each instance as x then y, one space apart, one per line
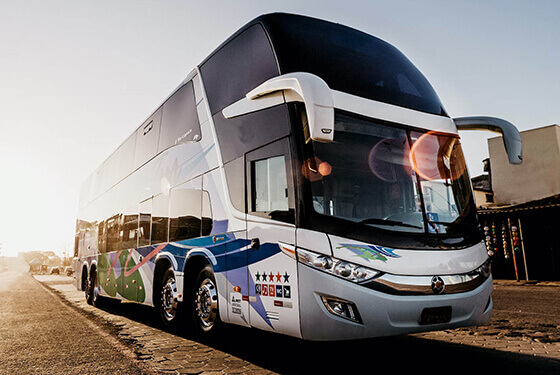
303 179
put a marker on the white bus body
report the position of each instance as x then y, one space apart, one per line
325 202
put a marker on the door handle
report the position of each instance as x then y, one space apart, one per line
255 244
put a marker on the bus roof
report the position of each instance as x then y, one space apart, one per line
347 59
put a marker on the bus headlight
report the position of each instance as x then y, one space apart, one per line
336 267
484 270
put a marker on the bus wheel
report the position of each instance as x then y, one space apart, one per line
205 303
89 289
169 306
96 298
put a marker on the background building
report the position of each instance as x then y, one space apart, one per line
519 207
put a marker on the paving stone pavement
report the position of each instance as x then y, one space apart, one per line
171 354
521 345
166 352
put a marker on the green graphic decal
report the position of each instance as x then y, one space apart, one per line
113 279
370 252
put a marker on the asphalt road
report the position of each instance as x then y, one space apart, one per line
39 334
531 312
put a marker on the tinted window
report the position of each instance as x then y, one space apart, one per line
235 175
147 139
144 226
270 185
102 238
350 61
270 188
113 228
126 157
128 231
109 172
245 133
160 218
76 245
207 222
179 119
238 67
185 211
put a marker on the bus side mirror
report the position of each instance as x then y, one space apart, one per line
511 136
296 87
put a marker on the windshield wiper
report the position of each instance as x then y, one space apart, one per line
393 223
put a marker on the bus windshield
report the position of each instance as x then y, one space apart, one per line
391 178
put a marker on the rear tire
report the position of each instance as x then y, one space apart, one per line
204 303
88 289
97 299
169 307
92 290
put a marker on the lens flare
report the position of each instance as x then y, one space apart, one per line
311 169
325 169
431 157
388 159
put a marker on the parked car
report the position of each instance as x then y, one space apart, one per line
68 271
55 271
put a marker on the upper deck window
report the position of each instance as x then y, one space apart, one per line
350 61
179 119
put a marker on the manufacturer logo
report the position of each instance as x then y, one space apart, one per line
438 286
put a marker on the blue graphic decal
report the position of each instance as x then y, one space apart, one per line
370 252
230 255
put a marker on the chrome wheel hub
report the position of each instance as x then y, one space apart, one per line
169 299
206 304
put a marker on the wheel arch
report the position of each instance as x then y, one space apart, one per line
84 276
193 265
162 264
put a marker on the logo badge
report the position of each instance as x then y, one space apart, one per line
438 286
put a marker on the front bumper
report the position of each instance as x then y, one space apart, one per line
382 314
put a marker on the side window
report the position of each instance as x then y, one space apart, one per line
270 185
113 228
97 182
76 244
179 122
129 229
160 218
147 137
125 158
207 222
110 167
185 212
144 225
102 238
235 176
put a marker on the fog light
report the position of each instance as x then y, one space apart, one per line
341 308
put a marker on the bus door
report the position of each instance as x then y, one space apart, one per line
272 268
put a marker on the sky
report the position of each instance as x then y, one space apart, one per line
77 77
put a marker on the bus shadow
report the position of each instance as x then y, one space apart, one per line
288 355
